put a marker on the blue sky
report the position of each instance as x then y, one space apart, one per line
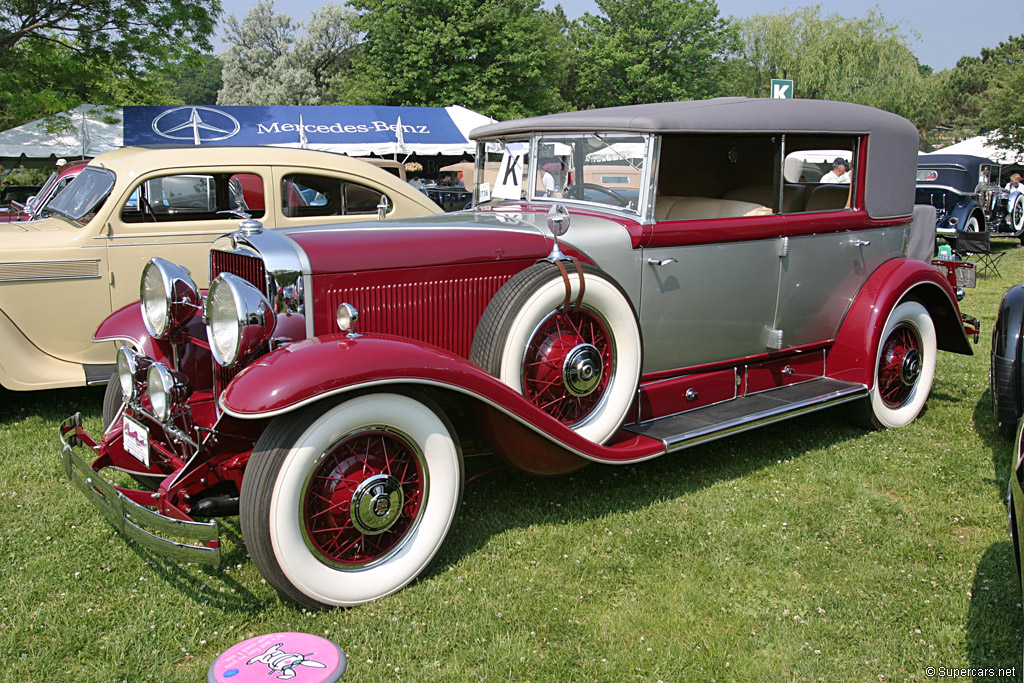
948 29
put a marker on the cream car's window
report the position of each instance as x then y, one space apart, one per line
195 197
84 195
306 194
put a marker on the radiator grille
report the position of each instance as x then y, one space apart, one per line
249 268
440 312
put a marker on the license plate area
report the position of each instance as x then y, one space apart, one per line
136 439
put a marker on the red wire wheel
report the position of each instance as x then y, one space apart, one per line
900 366
568 364
362 498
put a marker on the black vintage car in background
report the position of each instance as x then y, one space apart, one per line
966 193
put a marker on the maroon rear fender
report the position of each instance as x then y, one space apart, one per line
852 358
313 369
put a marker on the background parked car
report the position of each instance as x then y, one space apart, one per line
62 275
966 193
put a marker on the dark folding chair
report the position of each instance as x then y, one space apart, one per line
979 245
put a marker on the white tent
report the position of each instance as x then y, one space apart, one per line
86 133
980 146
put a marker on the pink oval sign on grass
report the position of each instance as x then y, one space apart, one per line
298 657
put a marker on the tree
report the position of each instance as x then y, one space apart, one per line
196 81
503 58
1003 113
269 63
967 88
865 60
58 54
648 51
131 32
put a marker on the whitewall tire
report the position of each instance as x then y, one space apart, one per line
904 367
580 365
347 502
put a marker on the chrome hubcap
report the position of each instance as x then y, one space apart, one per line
376 504
581 372
910 369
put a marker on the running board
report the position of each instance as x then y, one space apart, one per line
747 412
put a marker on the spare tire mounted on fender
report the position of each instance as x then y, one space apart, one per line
570 344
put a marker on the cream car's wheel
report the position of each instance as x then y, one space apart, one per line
113 398
904 367
580 364
347 503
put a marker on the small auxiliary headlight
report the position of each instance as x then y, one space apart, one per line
169 297
166 389
131 367
347 316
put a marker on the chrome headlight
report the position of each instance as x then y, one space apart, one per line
239 319
131 369
166 389
169 297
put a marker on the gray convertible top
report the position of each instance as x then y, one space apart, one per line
892 140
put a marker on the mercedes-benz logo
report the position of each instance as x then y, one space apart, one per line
197 124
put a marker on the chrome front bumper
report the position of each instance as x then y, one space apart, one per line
200 540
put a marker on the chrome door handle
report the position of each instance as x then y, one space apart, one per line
662 262
861 243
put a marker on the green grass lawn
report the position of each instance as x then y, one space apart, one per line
810 550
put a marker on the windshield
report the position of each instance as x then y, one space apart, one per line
84 195
594 168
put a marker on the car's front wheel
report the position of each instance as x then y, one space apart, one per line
904 368
113 399
578 363
346 502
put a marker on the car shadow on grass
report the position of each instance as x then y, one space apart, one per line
509 499
994 618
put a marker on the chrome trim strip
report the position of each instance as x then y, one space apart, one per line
27 271
127 516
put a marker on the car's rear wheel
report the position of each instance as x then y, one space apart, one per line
1017 213
580 364
904 369
973 224
346 502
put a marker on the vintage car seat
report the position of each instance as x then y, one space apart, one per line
685 208
793 196
827 198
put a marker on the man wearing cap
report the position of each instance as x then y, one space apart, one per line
840 173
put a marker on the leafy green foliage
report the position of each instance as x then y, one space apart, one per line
196 81
503 58
865 60
966 89
269 63
58 54
640 51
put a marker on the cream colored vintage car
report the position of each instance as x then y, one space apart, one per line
62 275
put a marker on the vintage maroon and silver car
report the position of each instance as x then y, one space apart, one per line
630 282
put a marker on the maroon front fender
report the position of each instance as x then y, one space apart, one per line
310 370
852 358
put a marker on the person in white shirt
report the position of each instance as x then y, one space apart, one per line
1015 184
840 173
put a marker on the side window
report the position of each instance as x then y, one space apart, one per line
715 176
195 197
819 174
304 194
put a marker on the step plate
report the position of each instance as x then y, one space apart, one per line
747 412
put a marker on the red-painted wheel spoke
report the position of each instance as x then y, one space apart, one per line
356 471
893 386
544 367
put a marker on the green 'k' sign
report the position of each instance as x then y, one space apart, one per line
782 89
